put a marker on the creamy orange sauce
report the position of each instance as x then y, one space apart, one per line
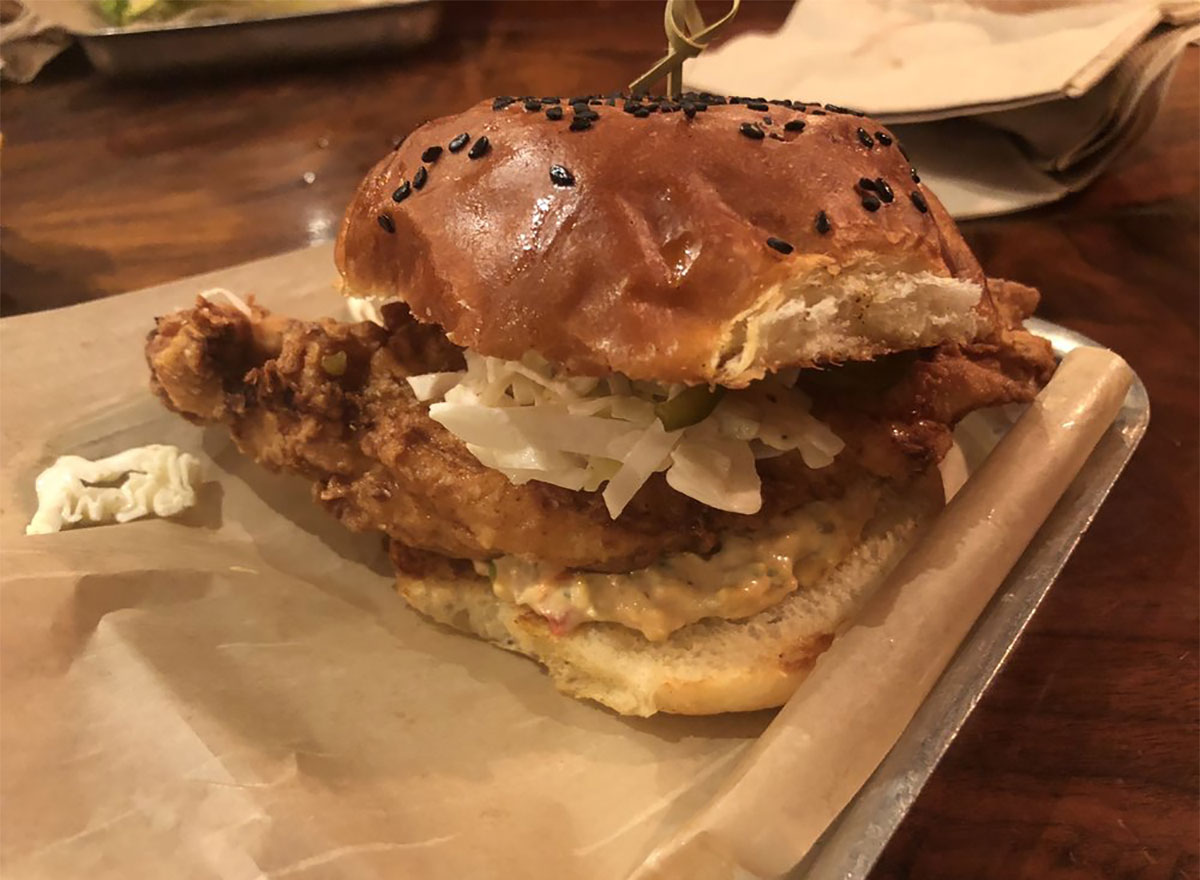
746 575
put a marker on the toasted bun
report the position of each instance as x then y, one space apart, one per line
705 668
655 262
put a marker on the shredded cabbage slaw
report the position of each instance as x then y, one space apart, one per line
530 422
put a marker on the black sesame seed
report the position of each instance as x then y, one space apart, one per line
479 148
551 99
767 120
835 108
817 113
431 154
555 113
822 223
595 102
866 183
885 191
884 138
780 245
794 125
533 104
702 106
641 112
865 138
579 123
631 106
502 102
755 105
420 177
689 109
735 100
385 220
560 176
402 192
919 201
668 107
752 131
653 108
459 142
916 178
870 203
586 113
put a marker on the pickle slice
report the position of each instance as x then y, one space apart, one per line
690 406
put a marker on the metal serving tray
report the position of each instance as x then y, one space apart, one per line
143 50
853 843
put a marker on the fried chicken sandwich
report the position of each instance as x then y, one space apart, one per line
655 391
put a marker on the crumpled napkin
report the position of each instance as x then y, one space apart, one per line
1002 104
27 41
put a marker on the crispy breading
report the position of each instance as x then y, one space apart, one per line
328 400
378 460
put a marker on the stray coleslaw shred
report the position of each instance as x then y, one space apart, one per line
154 480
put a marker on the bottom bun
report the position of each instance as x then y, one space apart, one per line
707 667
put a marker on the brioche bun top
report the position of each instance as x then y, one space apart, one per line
707 241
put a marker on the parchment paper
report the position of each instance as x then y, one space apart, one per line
239 693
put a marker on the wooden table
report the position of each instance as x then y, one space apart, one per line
1082 759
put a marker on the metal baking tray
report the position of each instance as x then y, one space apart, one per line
850 847
148 49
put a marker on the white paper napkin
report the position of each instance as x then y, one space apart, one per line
1003 104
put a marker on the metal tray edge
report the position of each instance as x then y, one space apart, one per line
100 33
255 42
852 845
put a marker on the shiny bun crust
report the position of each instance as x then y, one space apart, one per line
705 241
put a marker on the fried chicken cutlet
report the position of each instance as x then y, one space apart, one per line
328 400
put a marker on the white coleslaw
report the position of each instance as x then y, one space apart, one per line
528 421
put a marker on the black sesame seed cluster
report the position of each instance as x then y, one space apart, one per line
874 193
430 155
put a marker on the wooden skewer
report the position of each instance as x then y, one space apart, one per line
687 36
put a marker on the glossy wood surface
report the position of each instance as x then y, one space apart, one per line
1082 759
